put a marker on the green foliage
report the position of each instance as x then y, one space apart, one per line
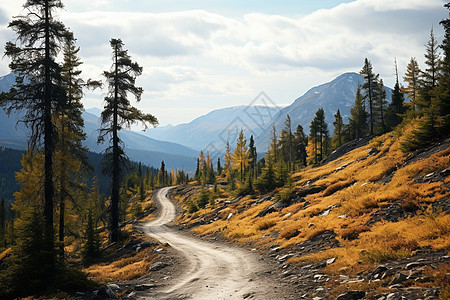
266 181
91 249
319 135
203 198
370 88
192 207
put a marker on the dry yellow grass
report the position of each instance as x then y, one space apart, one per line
123 269
354 193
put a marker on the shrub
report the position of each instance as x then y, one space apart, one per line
203 199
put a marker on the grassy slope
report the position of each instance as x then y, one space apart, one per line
380 203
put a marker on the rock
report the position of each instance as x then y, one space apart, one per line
158 266
396 286
398 278
269 210
114 287
342 216
285 257
131 295
392 296
331 260
104 293
380 269
413 265
351 295
144 287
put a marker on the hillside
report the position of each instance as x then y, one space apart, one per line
373 223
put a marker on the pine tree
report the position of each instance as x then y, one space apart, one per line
338 130
441 101
38 90
358 122
273 147
319 135
219 167
266 181
70 153
429 77
227 167
369 86
412 78
396 108
300 143
253 157
289 151
118 113
162 175
197 171
240 156
380 107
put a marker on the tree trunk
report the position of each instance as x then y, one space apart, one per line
48 140
115 172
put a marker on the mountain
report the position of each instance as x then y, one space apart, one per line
211 131
337 94
138 147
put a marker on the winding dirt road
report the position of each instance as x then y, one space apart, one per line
213 271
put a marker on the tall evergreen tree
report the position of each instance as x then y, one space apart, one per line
118 113
338 130
240 156
288 129
370 87
70 153
299 145
38 90
319 135
252 157
380 107
429 77
412 78
396 108
358 123
162 175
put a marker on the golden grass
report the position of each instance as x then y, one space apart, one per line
355 193
123 269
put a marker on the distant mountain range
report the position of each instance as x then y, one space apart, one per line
337 94
214 129
138 147
179 145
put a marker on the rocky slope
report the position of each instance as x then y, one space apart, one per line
371 224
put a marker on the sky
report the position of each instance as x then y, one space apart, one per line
200 55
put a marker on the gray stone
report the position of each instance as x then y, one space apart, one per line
398 278
103 293
392 296
158 266
413 265
352 295
144 287
331 260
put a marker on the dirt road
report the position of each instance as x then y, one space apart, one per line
213 271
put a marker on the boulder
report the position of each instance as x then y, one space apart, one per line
104 292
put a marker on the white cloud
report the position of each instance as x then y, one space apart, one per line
196 59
